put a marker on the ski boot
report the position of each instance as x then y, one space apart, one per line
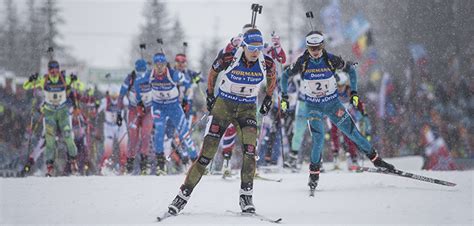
160 164
180 200
335 160
227 171
144 165
379 162
49 168
85 169
73 164
352 164
129 166
314 170
27 168
245 199
292 161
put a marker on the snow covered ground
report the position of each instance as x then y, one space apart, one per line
342 198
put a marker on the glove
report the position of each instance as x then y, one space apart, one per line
186 106
196 78
236 41
354 99
133 75
276 41
267 103
73 77
119 119
210 100
33 77
369 138
284 103
141 108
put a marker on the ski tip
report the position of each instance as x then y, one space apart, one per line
277 220
450 184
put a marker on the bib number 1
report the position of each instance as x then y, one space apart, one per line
241 90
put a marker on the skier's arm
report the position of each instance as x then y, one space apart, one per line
350 69
222 61
125 87
124 90
138 90
101 106
271 76
37 83
280 55
292 70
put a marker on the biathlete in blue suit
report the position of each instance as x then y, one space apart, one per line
317 68
165 106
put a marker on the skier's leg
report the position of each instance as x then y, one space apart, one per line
334 140
49 123
351 147
299 128
65 125
341 118
228 142
247 123
146 127
180 122
133 132
160 123
215 129
316 127
123 146
108 143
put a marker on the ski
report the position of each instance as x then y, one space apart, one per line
396 172
256 215
164 216
258 177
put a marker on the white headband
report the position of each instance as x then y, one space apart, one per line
314 40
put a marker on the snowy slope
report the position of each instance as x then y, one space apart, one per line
342 198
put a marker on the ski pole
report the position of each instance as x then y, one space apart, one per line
132 125
193 127
310 16
185 47
33 105
142 48
160 43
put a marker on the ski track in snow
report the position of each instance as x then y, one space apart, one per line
342 198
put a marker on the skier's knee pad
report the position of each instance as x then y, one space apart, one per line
215 131
249 149
203 160
247 122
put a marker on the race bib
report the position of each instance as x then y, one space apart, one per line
110 117
320 88
243 90
162 95
55 98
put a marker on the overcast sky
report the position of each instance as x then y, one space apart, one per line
100 32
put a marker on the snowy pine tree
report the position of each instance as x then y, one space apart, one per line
158 25
10 38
